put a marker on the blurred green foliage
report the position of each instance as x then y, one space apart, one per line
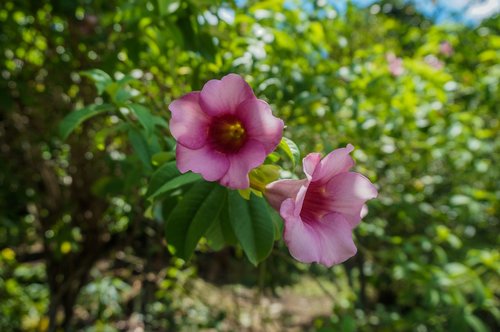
80 245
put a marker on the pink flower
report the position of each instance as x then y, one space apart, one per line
223 131
446 49
321 210
395 64
434 62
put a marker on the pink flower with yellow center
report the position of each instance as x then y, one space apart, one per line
396 67
223 131
434 62
321 211
446 49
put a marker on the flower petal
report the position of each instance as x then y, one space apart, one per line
336 239
278 191
348 192
223 96
260 123
299 199
299 244
327 242
189 124
310 162
251 155
337 161
211 164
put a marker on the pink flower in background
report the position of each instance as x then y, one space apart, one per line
395 64
446 49
321 210
223 131
434 62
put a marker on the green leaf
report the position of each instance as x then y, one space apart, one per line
221 232
175 183
348 324
159 121
74 119
273 157
291 149
215 237
166 7
144 116
161 158
163 174
167 206
262 176
141 148
101 79
167 178
192 217
479 291
278 224
252 224
107 186
226 227
475 323
119 93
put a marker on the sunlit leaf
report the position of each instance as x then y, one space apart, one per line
101 79
161 158
74 119
291 149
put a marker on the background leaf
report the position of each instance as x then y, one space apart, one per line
144 116
101 79
475 323
141 147
74 119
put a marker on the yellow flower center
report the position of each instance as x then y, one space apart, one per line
227 134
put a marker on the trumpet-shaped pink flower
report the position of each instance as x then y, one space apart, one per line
434 62
396 67
321 210
446 49
223 131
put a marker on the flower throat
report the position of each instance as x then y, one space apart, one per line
227 134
